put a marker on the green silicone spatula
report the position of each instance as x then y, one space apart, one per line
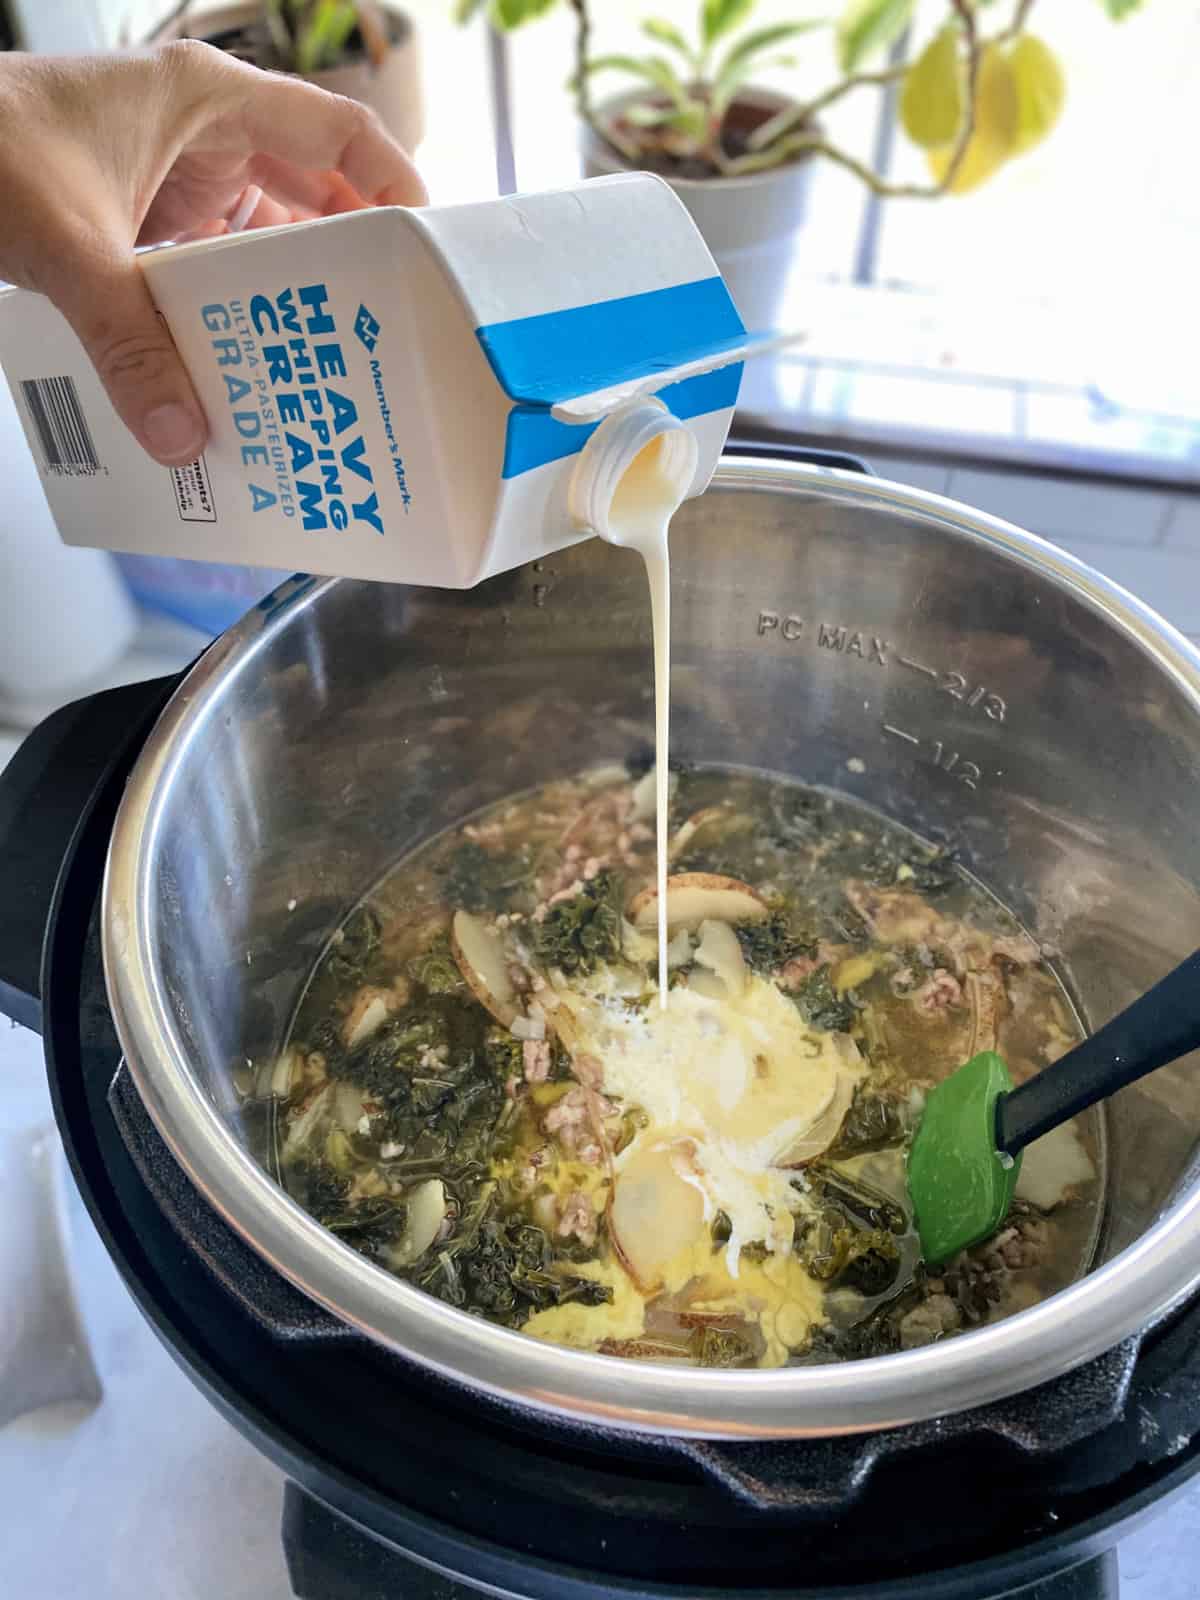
966 1154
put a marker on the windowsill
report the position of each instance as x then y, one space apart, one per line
880 368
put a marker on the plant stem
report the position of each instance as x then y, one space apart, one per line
1020 17
583 46
791 117
583 88
813 144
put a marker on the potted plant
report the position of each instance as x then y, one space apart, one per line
979 92
365 49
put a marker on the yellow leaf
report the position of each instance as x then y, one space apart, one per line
1041 90
931 101
993 139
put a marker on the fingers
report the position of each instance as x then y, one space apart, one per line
295 122
109 306
308 194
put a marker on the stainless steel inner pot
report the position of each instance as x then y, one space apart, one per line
960 675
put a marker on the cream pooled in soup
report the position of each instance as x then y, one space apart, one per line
485 1094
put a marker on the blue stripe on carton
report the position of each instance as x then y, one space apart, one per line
535 438
561 354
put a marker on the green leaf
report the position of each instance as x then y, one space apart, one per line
690 118
660 71
752 44
464 10
512 13
647 116
867 26
321 42
725 91
717 17
652 69
667 33
636 67
1118 9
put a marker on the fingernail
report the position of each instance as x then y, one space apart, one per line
245 208
172 430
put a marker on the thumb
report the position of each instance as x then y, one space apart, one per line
110 308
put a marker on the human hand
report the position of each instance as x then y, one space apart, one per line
101 153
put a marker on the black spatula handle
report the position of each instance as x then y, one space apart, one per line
1160 1027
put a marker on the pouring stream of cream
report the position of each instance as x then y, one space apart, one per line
641 514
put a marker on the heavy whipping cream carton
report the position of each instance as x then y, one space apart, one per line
394 394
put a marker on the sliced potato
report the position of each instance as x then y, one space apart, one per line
482 961
706 984
849 974
815 1140
662 1351
696 897
306 1118
285 1074
645 795
348 1107
564 1023
426 1213
652 1216
1053 1167
706 827
370 1011
636 944
721 953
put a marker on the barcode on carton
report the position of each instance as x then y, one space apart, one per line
61 427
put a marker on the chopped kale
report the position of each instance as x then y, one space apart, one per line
900 863
354 947
770 943
502 1267
844 1256
821 1006
382 1063
877 1335
875 1121
483 880
578 934
721 1347
639 761
930 872
799 815
436 969
368 1223
503 1054
859 1201
420 1073
317 1186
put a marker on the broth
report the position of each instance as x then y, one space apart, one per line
482 1094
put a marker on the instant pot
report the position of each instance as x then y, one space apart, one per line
176 856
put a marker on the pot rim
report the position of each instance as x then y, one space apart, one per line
1118 1300
600 150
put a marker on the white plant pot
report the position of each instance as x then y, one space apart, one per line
749 223
393 90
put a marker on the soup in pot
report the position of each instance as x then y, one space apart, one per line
486 1092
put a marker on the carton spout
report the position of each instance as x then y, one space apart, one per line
586 409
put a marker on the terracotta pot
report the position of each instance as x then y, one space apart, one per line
749 223
392 90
